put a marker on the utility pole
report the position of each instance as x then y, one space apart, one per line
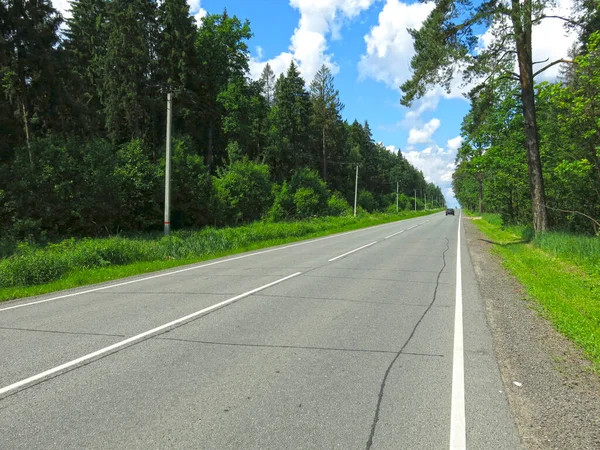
168 168
415 200
396 197
356 190
425 201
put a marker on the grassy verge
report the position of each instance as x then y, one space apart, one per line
561 274
72 263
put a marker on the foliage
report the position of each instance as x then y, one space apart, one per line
243 192
338 206
367 201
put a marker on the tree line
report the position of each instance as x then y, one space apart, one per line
530 149
83 113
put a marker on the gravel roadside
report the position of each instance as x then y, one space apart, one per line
553 394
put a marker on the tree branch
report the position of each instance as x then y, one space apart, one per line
565 19
594 221
553 63
539 62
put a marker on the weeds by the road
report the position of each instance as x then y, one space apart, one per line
561 273
33 270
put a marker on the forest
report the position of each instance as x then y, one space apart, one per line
83 126
492 164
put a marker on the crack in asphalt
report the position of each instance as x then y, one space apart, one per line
387 372
296 347
61 332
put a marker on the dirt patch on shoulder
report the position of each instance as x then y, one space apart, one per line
553 392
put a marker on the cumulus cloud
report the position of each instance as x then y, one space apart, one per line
196 10
454 143
319 19
423 135
389 46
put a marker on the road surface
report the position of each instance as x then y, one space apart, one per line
353 341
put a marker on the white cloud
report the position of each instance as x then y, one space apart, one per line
308 48
437 164
423 135
454 143
550 40
392 149
389 46
196 10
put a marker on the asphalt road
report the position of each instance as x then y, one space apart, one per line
340 342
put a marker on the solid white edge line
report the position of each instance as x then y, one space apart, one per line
395 234
352 251
247 255
129 341
458 438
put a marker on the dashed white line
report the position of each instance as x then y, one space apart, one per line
129 341
458 438
352 251
395 234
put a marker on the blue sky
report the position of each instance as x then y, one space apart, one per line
366 45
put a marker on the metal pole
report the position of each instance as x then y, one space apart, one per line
396 197
168 169
415 199
356 190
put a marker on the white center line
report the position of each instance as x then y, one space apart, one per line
395 234
129 341
458 439
352 251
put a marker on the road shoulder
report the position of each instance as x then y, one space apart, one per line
553 394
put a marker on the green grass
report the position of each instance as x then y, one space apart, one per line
560 273
32 270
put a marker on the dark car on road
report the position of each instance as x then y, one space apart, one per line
450 211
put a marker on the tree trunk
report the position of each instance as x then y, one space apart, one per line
324 158
209 150
522 26
27 131
480 191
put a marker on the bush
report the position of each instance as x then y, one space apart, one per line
243 192
304 196
306 202
338 206
366 200
283 203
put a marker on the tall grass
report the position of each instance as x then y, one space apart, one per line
30 265
578 249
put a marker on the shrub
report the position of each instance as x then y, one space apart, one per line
307 203
283 203
338 206
367 201
243 192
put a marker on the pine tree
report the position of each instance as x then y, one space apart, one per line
129 74
28 62
291 118
85 47
267 79
327 109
